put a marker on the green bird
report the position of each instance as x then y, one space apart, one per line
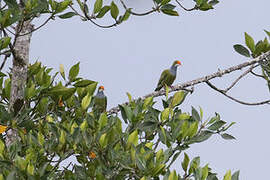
168 76
100 101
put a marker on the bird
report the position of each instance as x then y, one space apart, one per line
100 101
168 76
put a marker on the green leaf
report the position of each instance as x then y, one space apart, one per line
158 169
129 97
98 6
83 83
30 169
232 123
185 162
157 1
201 113
103 11
165 114
183 116
84 125
178 98
62 138
194 164
41 139
268 33
199 2
250 42
205 6
203 136
235 175
4 42
102 121
164 2
147 102
86 101
162 135
216 125
141 163
168 6
195 114
204 172
173 176
213 2
227 136
160 156
241 50
67 15
62 71
133 139
228 175
170 12
114 10
193 129
103 140
61 6
12 4
74 71
126 15
123 113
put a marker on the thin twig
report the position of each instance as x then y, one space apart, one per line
234 99
258 75
91 20
40 26
238 79
138 14
4 62
76 12
191 9
259 59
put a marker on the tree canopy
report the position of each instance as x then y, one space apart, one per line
46 117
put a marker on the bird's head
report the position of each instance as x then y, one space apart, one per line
176 63
100 88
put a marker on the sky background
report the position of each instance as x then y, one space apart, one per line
130 58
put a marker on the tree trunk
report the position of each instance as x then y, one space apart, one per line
19 72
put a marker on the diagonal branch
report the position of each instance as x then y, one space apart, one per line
186 9
138 14
204 79
234 99
238 79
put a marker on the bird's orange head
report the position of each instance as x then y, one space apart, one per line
177 63
101 88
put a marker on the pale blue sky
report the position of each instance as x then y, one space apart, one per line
130 58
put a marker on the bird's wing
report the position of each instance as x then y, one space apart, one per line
105 103
163 77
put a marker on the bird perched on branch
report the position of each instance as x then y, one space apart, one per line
168 76
100 101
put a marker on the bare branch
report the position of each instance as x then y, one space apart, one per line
40 26
191 9
234 99
4 62
138 14
238 79
258 75
220 73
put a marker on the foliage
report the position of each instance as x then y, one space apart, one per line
254 50
56 123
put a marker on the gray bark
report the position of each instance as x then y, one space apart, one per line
19 72
260 59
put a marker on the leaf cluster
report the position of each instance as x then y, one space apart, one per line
56 123
254 50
